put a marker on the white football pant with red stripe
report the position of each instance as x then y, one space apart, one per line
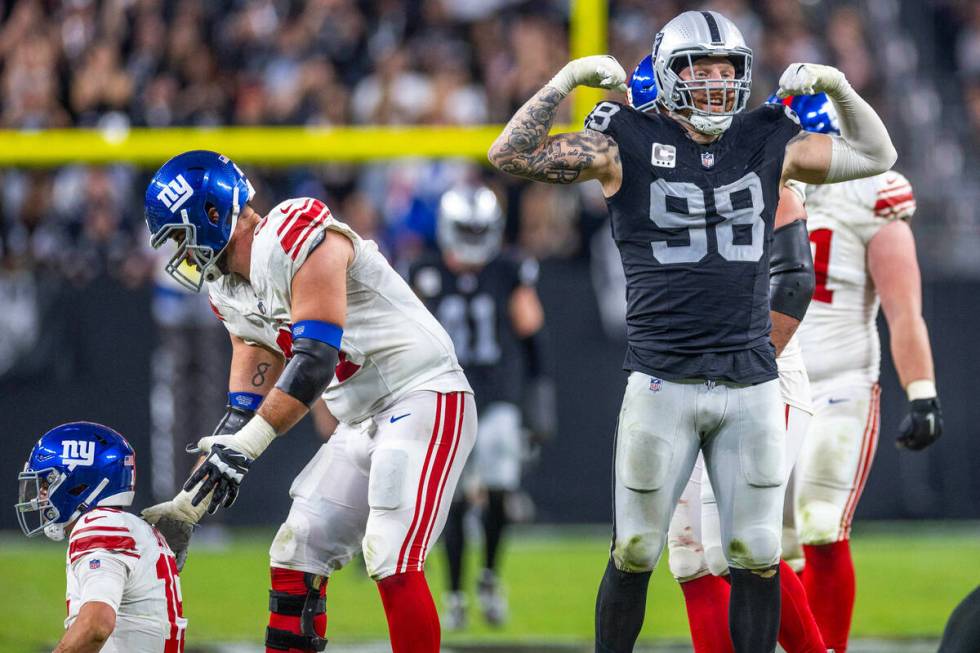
835 461
382 487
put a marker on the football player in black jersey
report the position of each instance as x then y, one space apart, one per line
691 186
487 302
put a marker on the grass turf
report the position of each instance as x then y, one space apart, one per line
909 580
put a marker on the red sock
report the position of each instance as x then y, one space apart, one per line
292 582
798 631
706 599
413 623
829 581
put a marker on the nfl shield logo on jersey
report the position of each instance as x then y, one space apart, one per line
656 384
707 160
94 564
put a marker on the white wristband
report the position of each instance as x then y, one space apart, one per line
921 389
253 438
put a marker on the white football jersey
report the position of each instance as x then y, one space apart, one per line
117 558
838 335
391 344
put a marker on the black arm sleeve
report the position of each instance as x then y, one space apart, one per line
791 280
309 371
234 419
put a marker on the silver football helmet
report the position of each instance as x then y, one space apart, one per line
470 224
687 38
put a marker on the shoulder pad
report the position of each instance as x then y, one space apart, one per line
606 114
894 198
102 530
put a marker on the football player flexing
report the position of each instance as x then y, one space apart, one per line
123 584
694 539
692 191
313 309
487 302
864 255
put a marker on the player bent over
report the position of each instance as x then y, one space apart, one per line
123 586
692 186
487 302
314 310
864 253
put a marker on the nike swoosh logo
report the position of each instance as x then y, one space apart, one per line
89 520
395 419
836 401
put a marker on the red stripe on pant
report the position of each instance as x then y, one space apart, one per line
441 449
456 438
425 470
869 444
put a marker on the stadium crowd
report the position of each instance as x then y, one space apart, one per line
119 63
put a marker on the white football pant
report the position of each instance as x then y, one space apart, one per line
663 425
382 487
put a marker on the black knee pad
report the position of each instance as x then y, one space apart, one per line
305 606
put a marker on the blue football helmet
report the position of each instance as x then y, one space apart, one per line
178 206
641 92
72 469
816 112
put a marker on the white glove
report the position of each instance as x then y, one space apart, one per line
175 519
597 71
810 79
251 440
178 508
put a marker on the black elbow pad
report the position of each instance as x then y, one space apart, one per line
791 280
309 371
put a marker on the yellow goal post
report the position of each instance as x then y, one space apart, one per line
280 146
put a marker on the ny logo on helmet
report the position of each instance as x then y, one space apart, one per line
175 193
78 452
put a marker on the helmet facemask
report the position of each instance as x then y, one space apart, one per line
724 97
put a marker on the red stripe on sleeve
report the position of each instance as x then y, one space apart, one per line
885 203
300 223
116 543
299 245
215 310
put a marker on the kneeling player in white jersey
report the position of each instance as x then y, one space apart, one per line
864 256
313 309
123 588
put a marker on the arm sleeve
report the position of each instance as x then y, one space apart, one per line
864 147
101 578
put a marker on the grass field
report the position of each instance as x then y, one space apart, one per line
909 579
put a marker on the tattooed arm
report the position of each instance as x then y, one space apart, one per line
524 148
253 369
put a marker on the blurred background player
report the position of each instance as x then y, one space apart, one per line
864 257
316 312
487 302
123 586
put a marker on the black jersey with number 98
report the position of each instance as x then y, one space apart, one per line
693 224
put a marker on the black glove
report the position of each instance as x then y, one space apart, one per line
223 471
922 426
178 535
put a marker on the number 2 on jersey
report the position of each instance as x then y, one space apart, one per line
821 239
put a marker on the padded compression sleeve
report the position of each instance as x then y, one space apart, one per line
309 371
791 277
864 147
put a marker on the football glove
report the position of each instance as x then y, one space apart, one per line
222 472
175 519
922 426
810 79
597 71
